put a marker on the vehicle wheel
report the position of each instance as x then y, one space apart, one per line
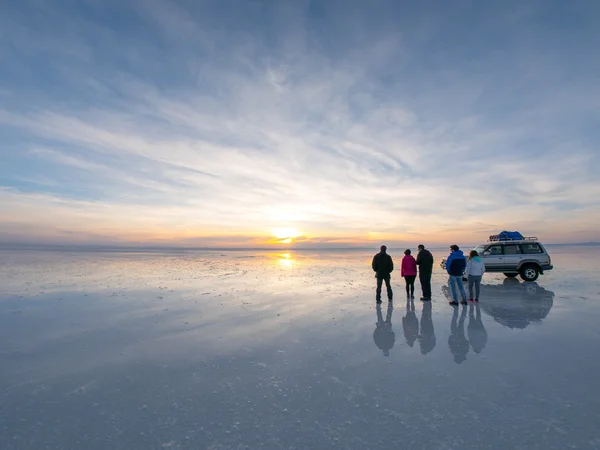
530 273
510 275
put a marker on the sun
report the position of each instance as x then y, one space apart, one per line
285 234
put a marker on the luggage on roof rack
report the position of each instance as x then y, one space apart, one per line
507 236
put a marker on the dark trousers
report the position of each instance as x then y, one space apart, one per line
387 285
410 284
425 279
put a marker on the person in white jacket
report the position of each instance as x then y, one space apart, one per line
474 272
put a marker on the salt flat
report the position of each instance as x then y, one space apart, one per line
251 350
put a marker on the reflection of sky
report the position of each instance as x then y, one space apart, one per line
230 348
167 122
242 297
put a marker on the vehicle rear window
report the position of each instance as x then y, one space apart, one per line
512 250
531 248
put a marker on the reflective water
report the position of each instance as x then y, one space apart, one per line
240 350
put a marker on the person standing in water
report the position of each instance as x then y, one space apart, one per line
425 263
383 266
474 272
408 271
455 266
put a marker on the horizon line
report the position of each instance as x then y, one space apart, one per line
142 248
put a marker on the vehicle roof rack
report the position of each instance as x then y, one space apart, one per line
499 238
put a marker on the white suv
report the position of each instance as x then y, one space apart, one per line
526 257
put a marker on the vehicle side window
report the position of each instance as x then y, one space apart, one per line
493 250
512 250
530 249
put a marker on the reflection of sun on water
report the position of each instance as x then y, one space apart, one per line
285 259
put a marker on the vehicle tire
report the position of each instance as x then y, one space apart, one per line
510 275
530 272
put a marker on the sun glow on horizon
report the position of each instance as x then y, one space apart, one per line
285 235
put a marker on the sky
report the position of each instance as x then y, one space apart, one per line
298 123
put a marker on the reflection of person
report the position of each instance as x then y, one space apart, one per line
410 323
476 331
459 346
425 263
383 266
427 336
384 336
455 266
474 272
409 272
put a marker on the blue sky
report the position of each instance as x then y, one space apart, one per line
336 122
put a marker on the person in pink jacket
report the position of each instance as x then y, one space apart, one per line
409 272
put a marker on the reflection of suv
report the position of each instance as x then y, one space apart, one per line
529 303
525 257
514 304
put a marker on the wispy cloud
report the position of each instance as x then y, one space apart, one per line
176 121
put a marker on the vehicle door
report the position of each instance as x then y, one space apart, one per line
493 257
512 256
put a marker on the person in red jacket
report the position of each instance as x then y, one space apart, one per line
409 272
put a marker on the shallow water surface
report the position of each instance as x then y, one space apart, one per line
245 350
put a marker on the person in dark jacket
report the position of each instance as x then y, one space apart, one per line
383 266
455 266
425 263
